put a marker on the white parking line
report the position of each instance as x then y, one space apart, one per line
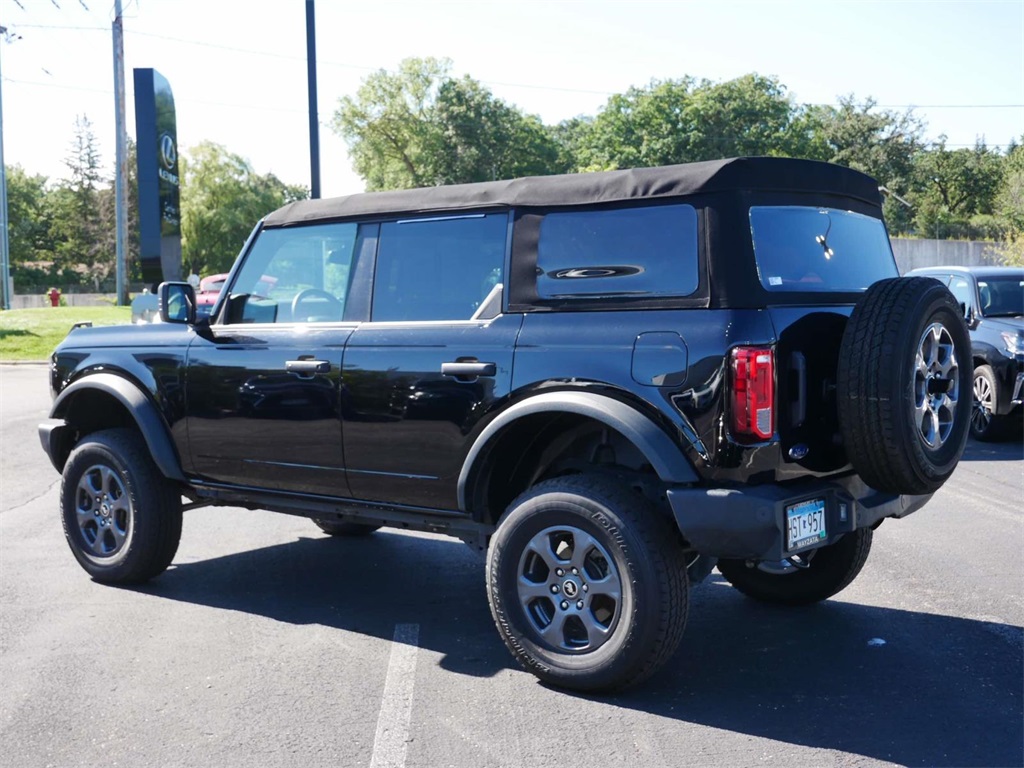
392 736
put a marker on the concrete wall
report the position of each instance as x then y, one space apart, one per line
31 300
913 254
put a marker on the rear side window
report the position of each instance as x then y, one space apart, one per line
438 269
626 252
811 249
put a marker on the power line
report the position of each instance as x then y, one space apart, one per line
529 86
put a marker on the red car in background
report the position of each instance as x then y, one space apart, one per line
209 290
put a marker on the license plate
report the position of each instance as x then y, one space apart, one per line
805 524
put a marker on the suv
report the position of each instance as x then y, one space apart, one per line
992 299
610 382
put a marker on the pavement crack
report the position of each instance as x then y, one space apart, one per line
33 500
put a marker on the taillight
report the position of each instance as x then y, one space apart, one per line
753 392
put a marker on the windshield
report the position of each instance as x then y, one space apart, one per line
811 249
1002 296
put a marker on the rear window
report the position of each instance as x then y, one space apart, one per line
800 248
634 252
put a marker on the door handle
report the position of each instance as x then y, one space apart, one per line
466 370
306 367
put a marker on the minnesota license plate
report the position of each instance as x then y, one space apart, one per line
805 524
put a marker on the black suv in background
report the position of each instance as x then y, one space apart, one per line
611 382
993 303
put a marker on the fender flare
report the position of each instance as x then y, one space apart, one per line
147 417
665 456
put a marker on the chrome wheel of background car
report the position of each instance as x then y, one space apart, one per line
104 510
936 389
984 401
569 589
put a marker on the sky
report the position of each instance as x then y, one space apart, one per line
238 67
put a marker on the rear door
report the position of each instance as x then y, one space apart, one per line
433 360
264 385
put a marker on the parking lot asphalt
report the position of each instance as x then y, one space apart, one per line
269 644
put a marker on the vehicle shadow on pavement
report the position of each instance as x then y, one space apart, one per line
941 690
364 584
1009 450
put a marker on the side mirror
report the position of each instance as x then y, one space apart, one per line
177 303
969 316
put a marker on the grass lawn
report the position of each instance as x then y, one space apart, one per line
31 334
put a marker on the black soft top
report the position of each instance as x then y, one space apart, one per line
773 174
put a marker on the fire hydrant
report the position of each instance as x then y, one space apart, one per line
54 295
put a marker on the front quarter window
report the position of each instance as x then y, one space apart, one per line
810 249
296 275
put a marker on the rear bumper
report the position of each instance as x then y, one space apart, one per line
750 523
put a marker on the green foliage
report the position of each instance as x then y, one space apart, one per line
957 191
683 121
222 198
879 142
420 127
74 209
29 223
1009 206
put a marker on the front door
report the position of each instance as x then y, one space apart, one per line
264 385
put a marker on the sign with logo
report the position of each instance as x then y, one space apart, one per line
156 137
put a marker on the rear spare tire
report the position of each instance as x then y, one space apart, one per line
904 385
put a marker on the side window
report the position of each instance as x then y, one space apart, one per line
438 269
648 251
296 275
961 290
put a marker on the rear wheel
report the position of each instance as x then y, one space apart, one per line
811 578
121 517
587 584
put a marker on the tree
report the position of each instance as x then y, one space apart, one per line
1009 205
482 138
685 120
80 250
222 198
957 191
881 143
28 228
420 127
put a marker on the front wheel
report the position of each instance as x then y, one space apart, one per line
587 584
122 518
808 579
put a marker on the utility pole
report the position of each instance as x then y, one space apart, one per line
5 264
120 172
314 122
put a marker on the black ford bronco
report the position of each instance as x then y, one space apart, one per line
611 382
